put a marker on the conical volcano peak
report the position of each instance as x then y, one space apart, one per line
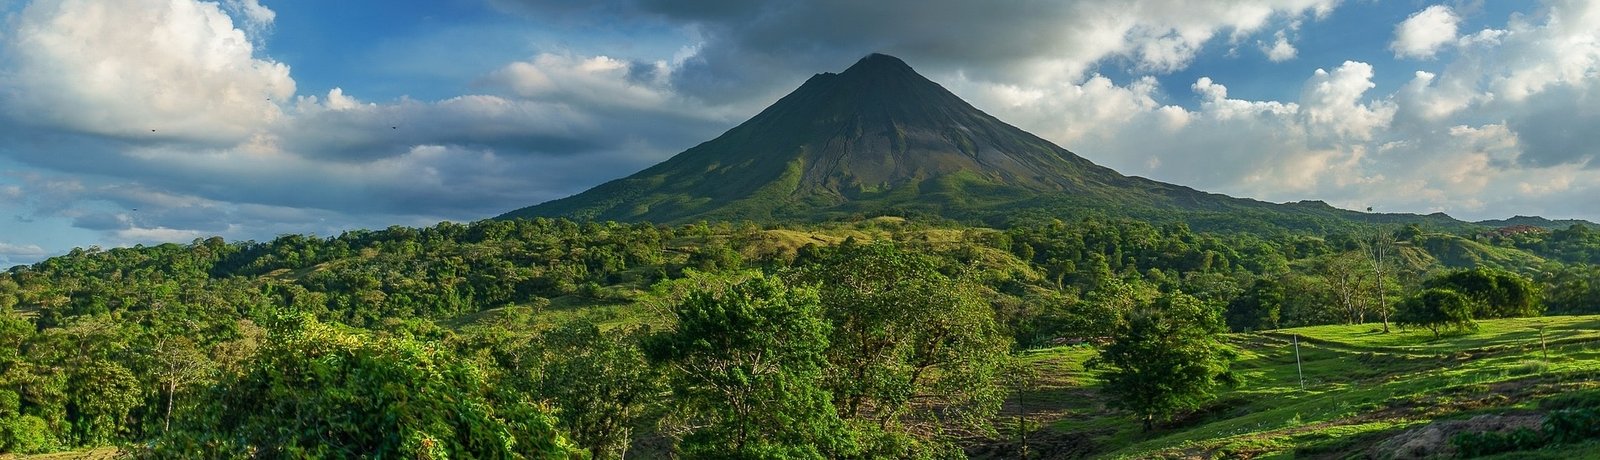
878 70
874 137
878 63
879 90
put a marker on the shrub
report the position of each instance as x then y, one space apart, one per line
1479 444
1572 425
25 435
1564 426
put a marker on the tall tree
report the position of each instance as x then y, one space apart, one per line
1436 309
747 359
1383 255
1495 293
601 384
1258 308
1347 275
1165 359
904 332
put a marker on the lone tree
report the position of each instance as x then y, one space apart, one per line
1165 359
1436 309
1494 293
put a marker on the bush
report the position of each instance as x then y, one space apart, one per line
1470 445
25 435
1572 425
1563 426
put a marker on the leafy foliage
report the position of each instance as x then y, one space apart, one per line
905 332
600 383
1561 426
127 345
1572 289
748 359
326 391
1436 309
1166 359
1495 293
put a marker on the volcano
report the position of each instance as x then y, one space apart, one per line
881 139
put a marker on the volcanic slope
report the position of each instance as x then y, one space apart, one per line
878 139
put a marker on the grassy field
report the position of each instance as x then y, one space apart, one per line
1367 394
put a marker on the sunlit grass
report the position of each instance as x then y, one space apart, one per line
1360 387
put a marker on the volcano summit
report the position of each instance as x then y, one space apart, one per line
877 139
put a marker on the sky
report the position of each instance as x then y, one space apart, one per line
128 122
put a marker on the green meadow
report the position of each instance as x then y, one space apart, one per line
1362 388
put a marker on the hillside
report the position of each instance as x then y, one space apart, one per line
1536 221
881 139
1367 395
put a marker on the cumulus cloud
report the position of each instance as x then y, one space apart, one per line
1424 147
1504 128
1280 50
750 49
141 70
13 254
254 18
1424 32
592 81
230 140
1333 105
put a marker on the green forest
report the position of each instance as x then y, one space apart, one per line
860 338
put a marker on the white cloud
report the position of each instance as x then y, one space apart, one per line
235 152
8 249
598 80
1333 104
14 254
142 69
1424 32
751 49
1423 148
1528 58
255 19
1280 50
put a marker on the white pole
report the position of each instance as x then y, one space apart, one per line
1297 367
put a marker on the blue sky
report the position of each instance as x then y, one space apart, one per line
146 121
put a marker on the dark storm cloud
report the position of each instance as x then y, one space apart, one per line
1558 128
753 48
101 221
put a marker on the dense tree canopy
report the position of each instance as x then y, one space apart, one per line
545 318
325 391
